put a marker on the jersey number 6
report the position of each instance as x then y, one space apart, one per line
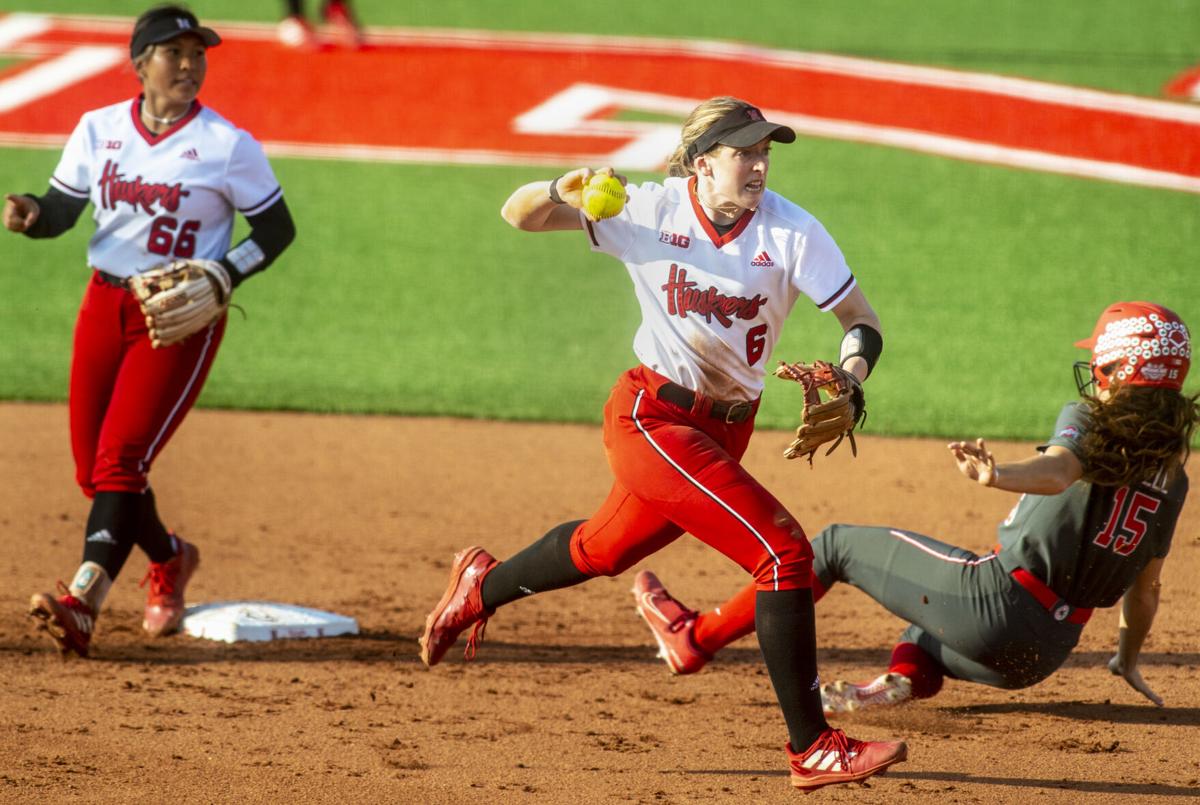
168 237
756 343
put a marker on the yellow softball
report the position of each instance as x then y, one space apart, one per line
603 197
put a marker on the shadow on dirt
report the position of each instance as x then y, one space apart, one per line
1082 786
1088 711
128 645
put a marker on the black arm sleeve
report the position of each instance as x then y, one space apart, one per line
58 213
864 341
271 231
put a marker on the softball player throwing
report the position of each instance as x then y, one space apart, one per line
1094 522
165 176
717 262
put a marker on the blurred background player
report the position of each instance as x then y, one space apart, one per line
165 176
341 24
1098 507
718 262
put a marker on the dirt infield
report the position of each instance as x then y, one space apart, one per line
566 702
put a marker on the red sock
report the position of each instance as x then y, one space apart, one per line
818 589
913 662
732 620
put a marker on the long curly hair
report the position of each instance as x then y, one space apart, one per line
1137 432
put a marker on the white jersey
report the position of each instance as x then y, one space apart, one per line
713 306
157 197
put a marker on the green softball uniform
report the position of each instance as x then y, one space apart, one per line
1085 547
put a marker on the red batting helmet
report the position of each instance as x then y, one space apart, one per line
1138 344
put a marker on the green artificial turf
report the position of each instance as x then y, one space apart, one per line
983 276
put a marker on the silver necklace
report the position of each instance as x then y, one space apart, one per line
164 121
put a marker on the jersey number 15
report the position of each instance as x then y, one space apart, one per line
1124 538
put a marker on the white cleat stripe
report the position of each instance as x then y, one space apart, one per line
648 604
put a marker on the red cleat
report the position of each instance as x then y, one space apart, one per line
460 607
67 620
837 758
671 623
342 24
168 580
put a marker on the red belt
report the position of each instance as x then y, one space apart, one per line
1056 606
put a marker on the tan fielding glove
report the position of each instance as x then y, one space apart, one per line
829 419
181 298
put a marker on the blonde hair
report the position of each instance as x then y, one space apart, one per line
698 122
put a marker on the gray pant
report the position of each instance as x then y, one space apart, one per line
966 611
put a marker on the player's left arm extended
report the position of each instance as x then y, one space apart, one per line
1047 473
863 340
1138 609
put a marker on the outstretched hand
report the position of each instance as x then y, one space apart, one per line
1134 677
975 461
20 212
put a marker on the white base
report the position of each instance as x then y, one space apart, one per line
234 621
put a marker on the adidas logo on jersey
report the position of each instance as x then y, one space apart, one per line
190 154
763 260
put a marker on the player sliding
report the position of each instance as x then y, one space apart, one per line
1094 522
717 261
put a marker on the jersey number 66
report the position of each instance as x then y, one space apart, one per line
168 237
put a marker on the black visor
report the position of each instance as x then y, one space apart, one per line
740 128
163 24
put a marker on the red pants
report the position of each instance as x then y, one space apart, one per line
678 470
127 398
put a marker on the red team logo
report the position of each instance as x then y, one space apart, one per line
682 298
115 188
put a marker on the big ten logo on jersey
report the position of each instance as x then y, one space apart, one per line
112 145
672 239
